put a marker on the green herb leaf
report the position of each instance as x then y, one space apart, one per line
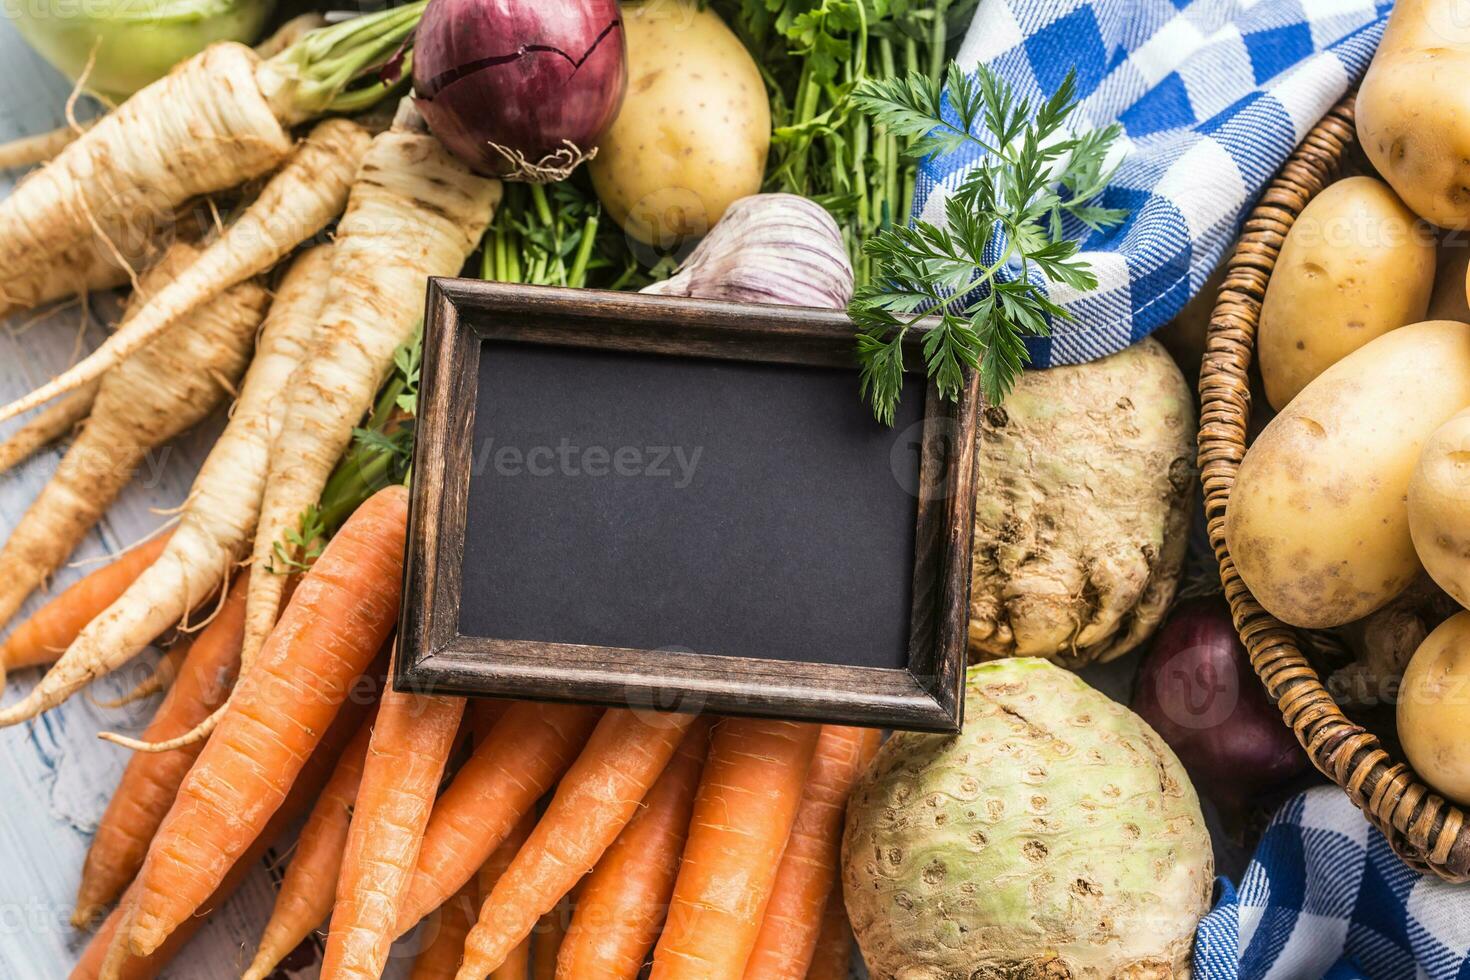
1009 213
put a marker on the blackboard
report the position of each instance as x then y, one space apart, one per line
653 501
720 507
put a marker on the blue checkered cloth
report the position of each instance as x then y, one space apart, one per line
1324 896
1212 94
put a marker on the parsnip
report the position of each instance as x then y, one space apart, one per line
215 526
153 396
298 202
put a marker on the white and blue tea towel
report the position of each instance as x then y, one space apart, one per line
1212 95
1324 896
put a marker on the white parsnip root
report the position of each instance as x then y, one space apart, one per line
31 150
415 212
216 523
151 397
301 199
56 422
204 127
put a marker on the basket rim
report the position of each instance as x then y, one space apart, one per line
1429 833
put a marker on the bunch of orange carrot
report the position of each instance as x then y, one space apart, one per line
709 845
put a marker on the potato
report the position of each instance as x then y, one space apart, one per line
1317 523
1413 109
1356 264
1439 507
1448 301
1434 709
693 131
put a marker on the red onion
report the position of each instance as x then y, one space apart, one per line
1198 691
523 89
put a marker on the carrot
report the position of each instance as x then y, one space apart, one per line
307 891
56 422
547 937
832 960
621 904
596 799
410 745
341 613
149 782
308 784
439 958
219 513
307 193
747 802
43 637
517 965
414 212
808 874
150 398
507 773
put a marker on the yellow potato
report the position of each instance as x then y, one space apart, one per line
1317 524
1413 109
694 129
1356 264
1448 301
1439 507
1434 709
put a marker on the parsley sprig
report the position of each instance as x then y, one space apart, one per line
1010 212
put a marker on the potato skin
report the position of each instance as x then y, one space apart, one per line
1439 507
1413 110
1317 524
1356 264
694 129
1434 709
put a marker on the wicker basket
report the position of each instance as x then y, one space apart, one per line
1429 833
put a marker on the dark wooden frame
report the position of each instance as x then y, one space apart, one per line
433 656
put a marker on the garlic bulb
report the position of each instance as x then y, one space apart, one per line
781 249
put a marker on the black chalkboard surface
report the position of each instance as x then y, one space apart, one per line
649 501
722 507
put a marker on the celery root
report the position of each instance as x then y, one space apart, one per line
307 193
215 525
54 423
150 398
415 212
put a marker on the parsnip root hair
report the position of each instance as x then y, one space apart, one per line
148 399
31 150
215 527
298 202
204 127
415 212
47 427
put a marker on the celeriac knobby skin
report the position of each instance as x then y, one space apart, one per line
694 129
1413 110
1356 264
1318 522
1056 836
163 390
1083 480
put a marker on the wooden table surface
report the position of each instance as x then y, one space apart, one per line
55 775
